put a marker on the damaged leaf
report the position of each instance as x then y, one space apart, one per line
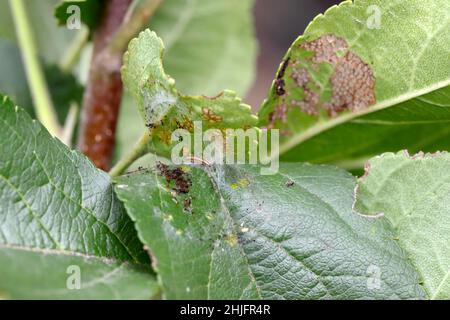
200 64
322 77
347 90
235 234
162 107
413 192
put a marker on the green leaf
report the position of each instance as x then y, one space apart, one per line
89 11
64 89
210 44
413 192
345 92
57 209
231 233
35 274
162 107
13 81
205 53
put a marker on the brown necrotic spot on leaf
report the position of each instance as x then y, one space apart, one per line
327 48
353 85
278 114
209 115
309 103
352 81
164 135
301 76
185 123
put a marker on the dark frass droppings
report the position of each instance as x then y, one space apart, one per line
177 177
279 82
187 203
290 183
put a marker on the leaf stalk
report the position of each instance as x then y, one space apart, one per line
38 86
139 150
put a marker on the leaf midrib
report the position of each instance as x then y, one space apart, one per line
59 252
226 210
440 286
186 16
280 246
33 213
329 124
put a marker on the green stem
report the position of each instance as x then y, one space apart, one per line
69 125
140 149
73 53
38 86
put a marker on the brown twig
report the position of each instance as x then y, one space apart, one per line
104 89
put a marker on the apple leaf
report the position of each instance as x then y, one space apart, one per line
232 233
